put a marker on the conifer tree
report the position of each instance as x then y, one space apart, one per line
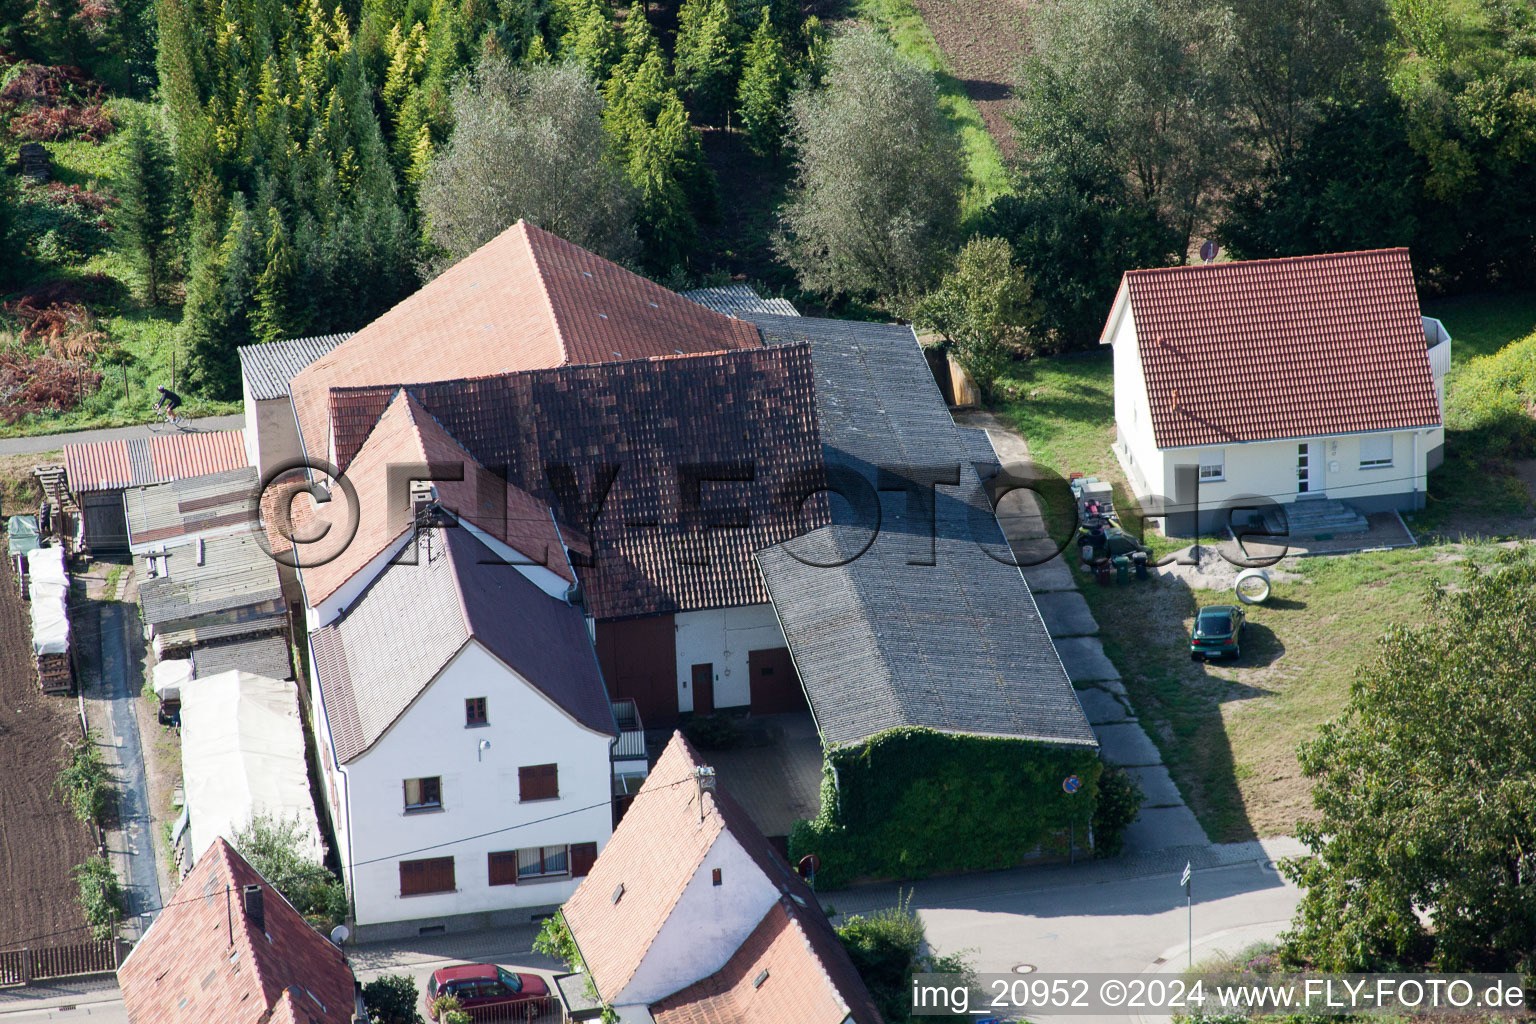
708 56
146 206
766 79
276 316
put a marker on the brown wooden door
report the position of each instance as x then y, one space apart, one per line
704 689
775 686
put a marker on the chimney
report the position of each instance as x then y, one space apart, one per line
255 911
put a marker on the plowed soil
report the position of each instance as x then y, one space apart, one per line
40 841
982 40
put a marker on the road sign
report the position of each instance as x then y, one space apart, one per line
1184 879
1071 784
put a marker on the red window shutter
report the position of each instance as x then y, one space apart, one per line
583 856
502 867
424 876
538 782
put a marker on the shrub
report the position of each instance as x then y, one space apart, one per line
391 999
85 783
31 384
446 1010
710 732
53 124
101 897
1494 397
275 848
555 940
1119 801
58 225
911 802
887 948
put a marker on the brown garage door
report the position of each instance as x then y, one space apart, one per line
775 686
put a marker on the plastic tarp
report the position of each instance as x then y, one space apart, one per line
50 601
21 535
242 755
168 677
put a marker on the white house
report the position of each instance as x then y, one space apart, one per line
465 737
1280 381
690 915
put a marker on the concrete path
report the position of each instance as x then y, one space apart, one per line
131 846
1164 823
53 442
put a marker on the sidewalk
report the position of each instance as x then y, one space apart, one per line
53 442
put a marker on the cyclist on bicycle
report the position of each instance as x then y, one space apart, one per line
170 400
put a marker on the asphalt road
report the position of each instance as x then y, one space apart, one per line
53 442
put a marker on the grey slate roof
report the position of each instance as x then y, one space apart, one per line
263 655
269 367
236 573
376 659
739 299
957 645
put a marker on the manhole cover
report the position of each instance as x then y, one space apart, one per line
1024 968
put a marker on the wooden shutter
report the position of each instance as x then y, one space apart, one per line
583 856
538 782
423 876
502 866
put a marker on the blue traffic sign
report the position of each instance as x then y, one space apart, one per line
1071 784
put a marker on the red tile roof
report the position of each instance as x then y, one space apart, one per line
407 434
186 969
141 461
524 300
642 424
1270 349
654 853
799 987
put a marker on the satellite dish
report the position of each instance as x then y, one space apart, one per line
340 934
1208 250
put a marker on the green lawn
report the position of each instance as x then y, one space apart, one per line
1229 733
985 170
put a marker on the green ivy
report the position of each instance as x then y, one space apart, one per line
101 897
913 802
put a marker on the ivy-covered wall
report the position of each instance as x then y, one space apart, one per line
912 802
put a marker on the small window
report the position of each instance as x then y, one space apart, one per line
1376 451
535 863
424 876
1213 465
474 711
538 782
423 794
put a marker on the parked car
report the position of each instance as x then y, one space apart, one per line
1218 632
481 987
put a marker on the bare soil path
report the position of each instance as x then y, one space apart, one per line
982 40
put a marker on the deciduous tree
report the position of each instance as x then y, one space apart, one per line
985 309
275 847
878 175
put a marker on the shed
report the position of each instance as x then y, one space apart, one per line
99 473
227 581
264 655
212 505
242 754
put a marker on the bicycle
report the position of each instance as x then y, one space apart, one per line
169 418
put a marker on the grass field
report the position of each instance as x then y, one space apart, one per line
1229 733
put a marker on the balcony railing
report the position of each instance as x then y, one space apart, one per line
630 746
1434 331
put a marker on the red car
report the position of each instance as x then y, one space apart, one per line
478 987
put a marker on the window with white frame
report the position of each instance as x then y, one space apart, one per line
1376 451
1213 465
543 862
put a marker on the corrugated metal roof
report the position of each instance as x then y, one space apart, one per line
114 465
954 643
204 506
268 368
236 572
737 299
202 633
262 655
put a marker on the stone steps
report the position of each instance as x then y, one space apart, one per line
1314 518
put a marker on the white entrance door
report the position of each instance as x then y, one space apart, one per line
1309 468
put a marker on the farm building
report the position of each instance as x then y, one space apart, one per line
242 755
202 590
265 371
1312 383
266 655
97 474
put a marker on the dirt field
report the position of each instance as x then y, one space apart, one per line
982 40
40 841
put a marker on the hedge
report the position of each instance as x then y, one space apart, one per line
913 802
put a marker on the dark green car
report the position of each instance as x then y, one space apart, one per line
1218 632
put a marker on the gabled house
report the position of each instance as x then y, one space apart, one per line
229 948
1291 381
691 917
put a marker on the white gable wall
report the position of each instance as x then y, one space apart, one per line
723 637
708 924
1143 461
479 792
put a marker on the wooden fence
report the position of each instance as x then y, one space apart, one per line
533 1011
23 966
